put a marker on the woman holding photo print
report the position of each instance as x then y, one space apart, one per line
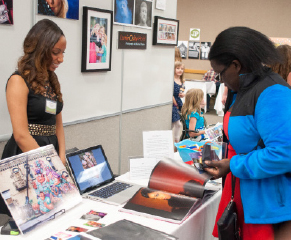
258 130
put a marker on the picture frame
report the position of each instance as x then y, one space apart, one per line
165 31
96 39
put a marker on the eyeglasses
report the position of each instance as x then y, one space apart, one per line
218 76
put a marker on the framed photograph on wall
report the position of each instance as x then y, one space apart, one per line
96 39
166 31
204 50
123 12
143 13
6 11
194 50
62 8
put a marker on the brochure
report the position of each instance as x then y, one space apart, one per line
174 191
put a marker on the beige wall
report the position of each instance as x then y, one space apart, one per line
271 17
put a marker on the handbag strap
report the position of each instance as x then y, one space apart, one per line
232 186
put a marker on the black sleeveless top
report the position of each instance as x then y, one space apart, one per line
36 114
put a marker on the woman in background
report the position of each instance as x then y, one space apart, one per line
284 68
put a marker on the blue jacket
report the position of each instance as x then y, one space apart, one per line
262 109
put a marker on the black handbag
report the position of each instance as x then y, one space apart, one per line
227 225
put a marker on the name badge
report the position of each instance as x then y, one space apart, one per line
51 107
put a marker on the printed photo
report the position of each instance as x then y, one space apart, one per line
59 8
165 31
194 50
76 229
143 13
60 236
94 224
123 11
96 39
48 191
183 47
6 12
204 50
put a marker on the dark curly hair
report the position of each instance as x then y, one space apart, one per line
34 64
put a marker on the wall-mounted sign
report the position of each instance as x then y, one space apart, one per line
131 40
194 34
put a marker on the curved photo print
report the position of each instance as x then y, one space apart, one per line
36 187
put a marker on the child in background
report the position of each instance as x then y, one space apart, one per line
179 87
191 110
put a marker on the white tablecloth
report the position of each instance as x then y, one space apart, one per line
218 106
197 226
208 87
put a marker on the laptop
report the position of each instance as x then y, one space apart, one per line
94 178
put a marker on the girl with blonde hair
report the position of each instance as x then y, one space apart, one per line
178 93
193 114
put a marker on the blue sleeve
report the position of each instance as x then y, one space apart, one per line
272 120
195 115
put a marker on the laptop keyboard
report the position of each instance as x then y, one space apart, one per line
110 190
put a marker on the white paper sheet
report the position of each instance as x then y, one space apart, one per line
161 4
141 168
158 144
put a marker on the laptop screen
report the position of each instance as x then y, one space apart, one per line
90 168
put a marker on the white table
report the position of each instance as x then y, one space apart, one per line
208 87
198 226
218 106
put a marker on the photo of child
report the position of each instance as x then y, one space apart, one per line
98 40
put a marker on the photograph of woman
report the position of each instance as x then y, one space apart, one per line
59 8
98 41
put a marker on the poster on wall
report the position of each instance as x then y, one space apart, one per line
165 31
123 12
6 11
204 50
143 13
194 50
131 40
36 187
194 34
183 47
280 41
96 39
62 8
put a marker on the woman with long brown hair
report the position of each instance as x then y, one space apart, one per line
33 94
